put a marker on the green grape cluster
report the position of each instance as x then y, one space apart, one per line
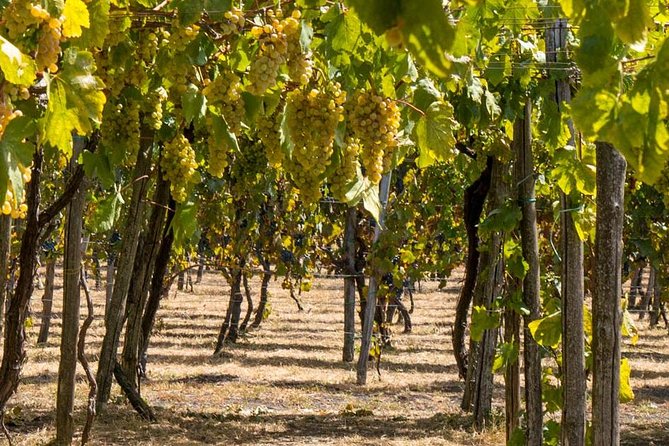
178 165
121 128
269 132
48 46
271 55
219 157
20 15
299 63
375 121
347 169
147 48
234 21
312 116
225 92
153 108
181 36
249 167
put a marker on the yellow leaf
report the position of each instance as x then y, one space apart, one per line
626 392
75 17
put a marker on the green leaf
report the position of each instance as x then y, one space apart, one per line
633 26
371 202
626 392
222 134
216 9
548 330
18 68
59 121
503 219
188 11
344 32
76 17
507 354
16 152
428 34
108 212
97 165
628 328
194 104
482 320
434 133
184 223
94 35
379 15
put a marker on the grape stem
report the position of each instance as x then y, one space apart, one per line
410 105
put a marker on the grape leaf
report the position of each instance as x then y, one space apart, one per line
626 392
482 320
184 223
15 151
17 67
76 17
194 104
379 15
548 330
94 35
434 133
107 212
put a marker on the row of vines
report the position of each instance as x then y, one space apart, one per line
385 141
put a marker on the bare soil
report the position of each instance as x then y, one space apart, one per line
285 383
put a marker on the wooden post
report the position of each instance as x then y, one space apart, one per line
524 176
370 306
71 301
349 283
606 310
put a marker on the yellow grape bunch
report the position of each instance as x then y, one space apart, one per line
234 21
375 121
179 166
300 65
312 116
121 129
225 92
271 54
219 152
347 169
269 132
11 204
153 108
18 19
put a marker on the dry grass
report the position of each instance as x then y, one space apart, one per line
286 383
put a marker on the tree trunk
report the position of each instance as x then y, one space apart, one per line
137 295
47 300
370 305
479 382
157 289
350 231
237 299
266 277
111 269
606 310
5 248
72 276
225 332
635 287
474 198
512 374
14 354
650 289
249 305
657 302
81 355
116 310
524 177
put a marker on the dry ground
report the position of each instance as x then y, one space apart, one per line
286 384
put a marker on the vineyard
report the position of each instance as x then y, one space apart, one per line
451 216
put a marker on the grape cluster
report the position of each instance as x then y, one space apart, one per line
20 15
271 54
181 36
121 128
147 46
153 108
234 21
225 92
347 169
312 116
375 121
300 65
10 205
48 46
178 165
219 153
269 128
